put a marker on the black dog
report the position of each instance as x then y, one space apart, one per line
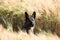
29 22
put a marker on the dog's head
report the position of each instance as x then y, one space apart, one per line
30 20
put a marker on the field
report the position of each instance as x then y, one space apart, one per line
7 35
47 19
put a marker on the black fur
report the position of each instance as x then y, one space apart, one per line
29 21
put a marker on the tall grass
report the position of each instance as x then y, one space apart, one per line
7 35
47 19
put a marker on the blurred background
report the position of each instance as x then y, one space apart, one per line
47 14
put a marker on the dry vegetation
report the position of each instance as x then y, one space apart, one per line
7 35
47 11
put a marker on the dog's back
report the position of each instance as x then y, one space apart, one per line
29 22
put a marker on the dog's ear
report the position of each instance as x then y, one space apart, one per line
26 16
34 15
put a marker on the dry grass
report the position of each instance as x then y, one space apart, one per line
7 35
34 5
49 6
